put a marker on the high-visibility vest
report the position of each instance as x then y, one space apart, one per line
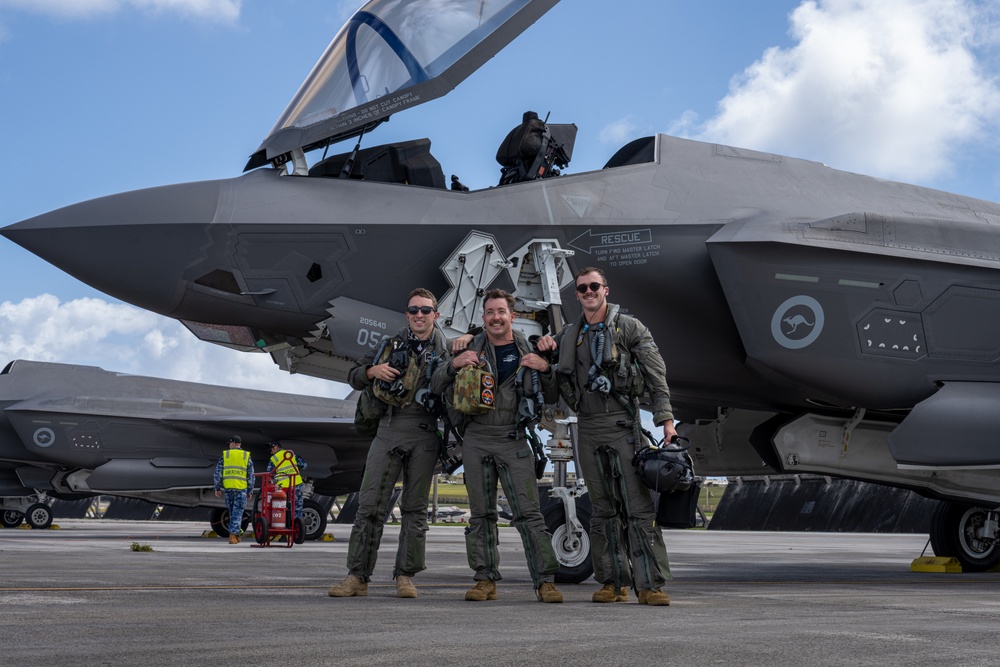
286 473
234 468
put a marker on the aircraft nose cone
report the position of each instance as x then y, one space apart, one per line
133 246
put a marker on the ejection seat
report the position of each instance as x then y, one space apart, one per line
534 149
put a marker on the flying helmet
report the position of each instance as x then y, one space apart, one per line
665 470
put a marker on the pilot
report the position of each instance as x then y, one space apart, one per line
603 360
287 467
393 380
234 477
494 448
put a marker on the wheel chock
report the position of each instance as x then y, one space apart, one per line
328 537
935 564
24 526
209 533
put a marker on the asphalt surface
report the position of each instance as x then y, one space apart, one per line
81 596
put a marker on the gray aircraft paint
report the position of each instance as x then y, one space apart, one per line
891 291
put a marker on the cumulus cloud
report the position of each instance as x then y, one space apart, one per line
619 131
118 337
887 87
216 10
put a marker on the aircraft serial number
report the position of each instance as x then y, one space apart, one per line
372 323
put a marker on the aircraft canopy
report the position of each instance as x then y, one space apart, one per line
393 54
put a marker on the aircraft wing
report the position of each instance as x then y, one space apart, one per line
86 430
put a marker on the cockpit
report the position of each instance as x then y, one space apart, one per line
393 55
531 150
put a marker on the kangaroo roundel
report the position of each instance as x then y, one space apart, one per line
797 322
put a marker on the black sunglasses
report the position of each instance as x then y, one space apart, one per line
594 287
426 310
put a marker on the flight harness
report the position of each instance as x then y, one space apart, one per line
612 474
447 451
529 411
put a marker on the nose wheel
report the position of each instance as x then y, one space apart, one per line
572 550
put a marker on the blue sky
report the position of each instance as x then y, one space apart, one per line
104 96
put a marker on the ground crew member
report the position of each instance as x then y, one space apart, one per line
287 467
234 477
603 360
494 447
406 445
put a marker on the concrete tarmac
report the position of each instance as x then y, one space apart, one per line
81 596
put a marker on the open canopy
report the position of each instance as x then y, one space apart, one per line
393 54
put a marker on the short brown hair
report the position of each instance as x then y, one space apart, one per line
425 294
593 269
499 294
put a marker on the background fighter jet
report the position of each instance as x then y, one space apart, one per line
74 431
812 320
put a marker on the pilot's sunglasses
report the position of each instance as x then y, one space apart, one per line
426 310
593 287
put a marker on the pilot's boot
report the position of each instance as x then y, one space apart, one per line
233 539
405 587
485 589
547 593
349 587
609 593
654 596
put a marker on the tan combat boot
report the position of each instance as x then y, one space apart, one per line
609 593
547 593
654 596
405 587
350 587
233 539
485 589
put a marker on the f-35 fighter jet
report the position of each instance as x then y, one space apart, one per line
811 320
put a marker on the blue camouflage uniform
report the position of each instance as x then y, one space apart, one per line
235 494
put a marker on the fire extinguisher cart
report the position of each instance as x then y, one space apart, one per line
275 514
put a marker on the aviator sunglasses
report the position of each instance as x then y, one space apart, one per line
426 310
593 287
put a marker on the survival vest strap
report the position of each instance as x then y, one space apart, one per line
529 412
369 410
624 374
450 459
599 382
398 355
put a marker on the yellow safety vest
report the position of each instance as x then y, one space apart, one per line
234 468
286 473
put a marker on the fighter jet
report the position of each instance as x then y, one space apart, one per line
75 431
811 320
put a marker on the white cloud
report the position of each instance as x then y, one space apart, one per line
216 10
887 87
123 338
619 132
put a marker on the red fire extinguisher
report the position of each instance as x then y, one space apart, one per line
278 505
